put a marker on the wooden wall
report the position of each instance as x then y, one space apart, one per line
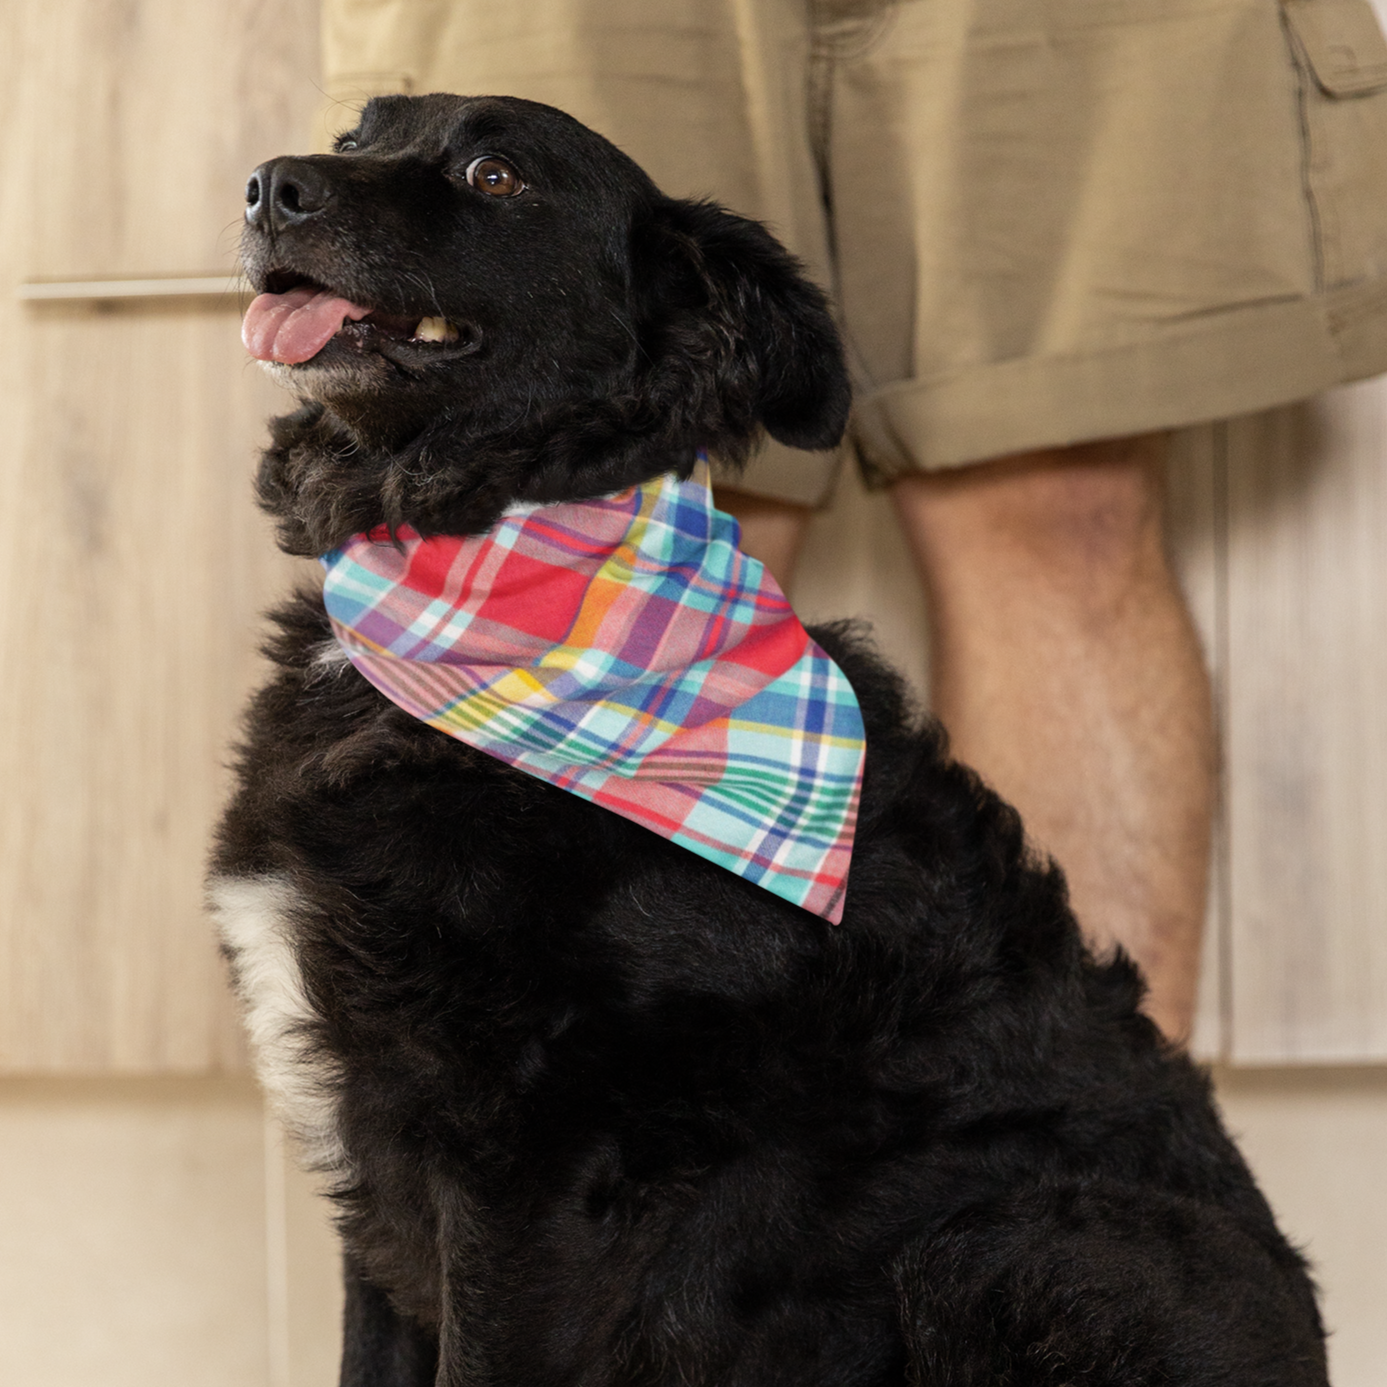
134 565
1305 714
1279 529
135 568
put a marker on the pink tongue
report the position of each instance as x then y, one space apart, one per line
295 326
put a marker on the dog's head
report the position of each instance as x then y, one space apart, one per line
480 301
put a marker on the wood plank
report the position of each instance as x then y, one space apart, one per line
135 565
1307 731
224 289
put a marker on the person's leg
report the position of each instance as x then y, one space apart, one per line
1067 671
1066 668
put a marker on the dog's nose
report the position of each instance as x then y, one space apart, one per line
285 192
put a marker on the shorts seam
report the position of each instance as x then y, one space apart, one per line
851 37
1345 307
1300 65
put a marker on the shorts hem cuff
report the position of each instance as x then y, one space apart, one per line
1242 362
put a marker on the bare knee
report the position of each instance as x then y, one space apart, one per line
1083 522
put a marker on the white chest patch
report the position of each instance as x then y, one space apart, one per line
255 918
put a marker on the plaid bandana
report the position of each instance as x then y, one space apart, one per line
627 651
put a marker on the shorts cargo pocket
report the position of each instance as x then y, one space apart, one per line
1341 44
1341 58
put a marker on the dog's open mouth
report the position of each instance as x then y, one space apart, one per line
292 322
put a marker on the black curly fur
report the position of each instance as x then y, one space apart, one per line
609 1114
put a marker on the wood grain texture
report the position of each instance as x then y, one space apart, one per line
1307 730
134 566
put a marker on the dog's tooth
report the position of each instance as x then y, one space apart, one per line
435 330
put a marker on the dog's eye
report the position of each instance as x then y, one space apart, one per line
343 143
494 177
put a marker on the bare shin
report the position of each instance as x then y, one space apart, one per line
1068 672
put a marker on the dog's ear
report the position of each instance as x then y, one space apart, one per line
722 294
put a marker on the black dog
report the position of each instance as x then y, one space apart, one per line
597 1111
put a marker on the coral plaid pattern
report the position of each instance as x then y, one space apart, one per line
625 650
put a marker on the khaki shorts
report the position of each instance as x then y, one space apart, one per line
1044 221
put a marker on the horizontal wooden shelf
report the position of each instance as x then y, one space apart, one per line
228 287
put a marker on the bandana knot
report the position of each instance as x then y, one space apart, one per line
627 651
